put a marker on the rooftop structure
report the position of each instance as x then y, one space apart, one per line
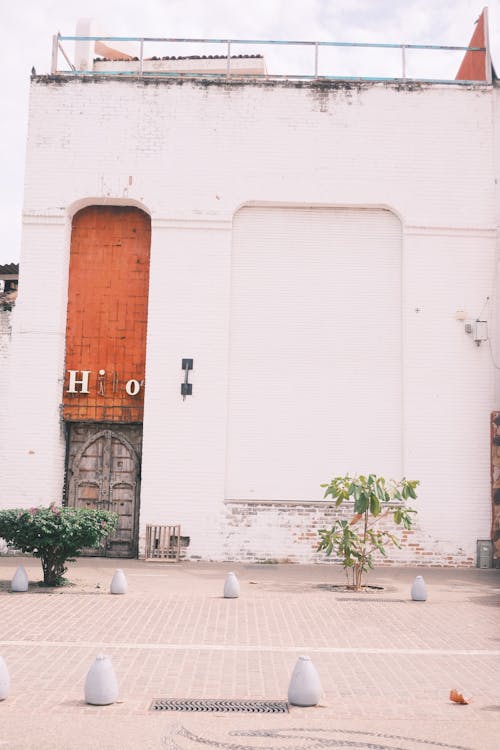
98 54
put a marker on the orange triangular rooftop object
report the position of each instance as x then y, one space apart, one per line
473 67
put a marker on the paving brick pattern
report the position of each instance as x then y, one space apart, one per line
384 661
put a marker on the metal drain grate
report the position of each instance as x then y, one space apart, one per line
370 599
248 707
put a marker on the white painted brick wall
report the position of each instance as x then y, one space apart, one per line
5 333
6 428
315 349
5 339
34 470
192 154
184 441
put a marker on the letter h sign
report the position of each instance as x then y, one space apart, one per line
73 382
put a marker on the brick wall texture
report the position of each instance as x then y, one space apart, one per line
316 250
5 338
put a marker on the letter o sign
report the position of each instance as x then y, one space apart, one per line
133 387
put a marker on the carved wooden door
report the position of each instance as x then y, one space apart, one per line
104 473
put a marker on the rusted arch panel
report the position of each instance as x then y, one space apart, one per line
107 312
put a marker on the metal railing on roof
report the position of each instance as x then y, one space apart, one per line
229 45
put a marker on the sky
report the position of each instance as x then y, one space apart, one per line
28 27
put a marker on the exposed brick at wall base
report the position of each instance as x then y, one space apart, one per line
269 531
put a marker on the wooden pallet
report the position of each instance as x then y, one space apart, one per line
163 543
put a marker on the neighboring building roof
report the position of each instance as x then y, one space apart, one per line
179 57
9 269
247 65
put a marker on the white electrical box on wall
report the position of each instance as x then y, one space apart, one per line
480 331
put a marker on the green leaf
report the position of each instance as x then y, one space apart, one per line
361 503
374 505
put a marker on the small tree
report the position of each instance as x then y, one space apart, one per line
55 535
374 499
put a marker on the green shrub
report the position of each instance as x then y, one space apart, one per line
55 534
374 498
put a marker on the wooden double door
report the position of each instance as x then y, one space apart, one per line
103 472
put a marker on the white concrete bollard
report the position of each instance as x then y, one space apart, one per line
101 686
118 583
418 590
4 680
20 580
231 587
305 686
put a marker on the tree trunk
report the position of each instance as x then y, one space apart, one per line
53 571
358 572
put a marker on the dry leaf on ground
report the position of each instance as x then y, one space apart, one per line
457 697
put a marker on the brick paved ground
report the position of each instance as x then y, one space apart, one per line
387 664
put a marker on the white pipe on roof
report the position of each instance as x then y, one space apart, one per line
85 50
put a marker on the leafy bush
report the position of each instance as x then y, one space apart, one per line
356 541
55 534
